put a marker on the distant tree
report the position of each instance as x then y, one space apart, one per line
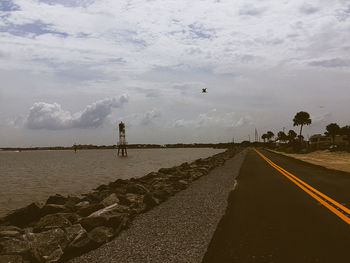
332 130
346 131
300 119
264 137
300 137
282 136
291 136
270 135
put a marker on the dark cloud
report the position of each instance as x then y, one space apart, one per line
69 3
52 117
331 63
36 28
250 10
309 9
198 31
8 5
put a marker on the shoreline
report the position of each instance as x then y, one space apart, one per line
66 227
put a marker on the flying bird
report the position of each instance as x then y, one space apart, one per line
204 90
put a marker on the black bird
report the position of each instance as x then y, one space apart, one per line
204 90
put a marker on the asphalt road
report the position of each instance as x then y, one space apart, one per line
272 217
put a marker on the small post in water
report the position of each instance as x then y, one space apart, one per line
122 143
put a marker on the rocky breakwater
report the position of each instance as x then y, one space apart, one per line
65 227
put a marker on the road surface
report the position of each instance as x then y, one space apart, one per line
284 211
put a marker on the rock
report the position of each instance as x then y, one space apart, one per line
51 221
163 194
56 200
113 215
150 176
82 204
71 202
75 232
115 208
16 246
150 201
52 209
97 196
196 175
81 243
102 187
90 223
9 233
168 170
73 218
85 211
23 216
48 246
137 189
181 184
101 234
110 200
11 228
134 198
11 259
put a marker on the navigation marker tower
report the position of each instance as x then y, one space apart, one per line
122 142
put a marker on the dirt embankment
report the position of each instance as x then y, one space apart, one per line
332 160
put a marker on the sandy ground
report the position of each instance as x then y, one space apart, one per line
332 160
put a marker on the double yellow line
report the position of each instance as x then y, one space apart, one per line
338 209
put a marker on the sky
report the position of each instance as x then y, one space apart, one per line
70 70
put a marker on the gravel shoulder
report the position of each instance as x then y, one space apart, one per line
178 230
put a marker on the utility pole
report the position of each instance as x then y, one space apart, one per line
256 135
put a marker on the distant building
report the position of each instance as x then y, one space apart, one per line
320 141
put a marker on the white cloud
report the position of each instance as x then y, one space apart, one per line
52 117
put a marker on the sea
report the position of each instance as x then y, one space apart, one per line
31 176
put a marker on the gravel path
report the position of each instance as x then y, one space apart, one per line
178 230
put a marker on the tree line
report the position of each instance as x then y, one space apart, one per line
301 119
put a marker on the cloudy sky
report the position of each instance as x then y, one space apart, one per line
71 69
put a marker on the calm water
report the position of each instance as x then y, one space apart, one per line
34 175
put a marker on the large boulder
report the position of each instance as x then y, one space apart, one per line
56 200
101 234
85 211
52 209
75 232
23 216
110 200
150 201
71 202
14 246
114 216
79 241
48 246
51 221
90 223
136 189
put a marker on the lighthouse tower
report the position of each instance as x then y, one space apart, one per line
122 142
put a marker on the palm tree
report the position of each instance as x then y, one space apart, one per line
346 131
291 136
264 137
301 118
270 135
333 129
282 136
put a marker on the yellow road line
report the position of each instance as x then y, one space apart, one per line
311 191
